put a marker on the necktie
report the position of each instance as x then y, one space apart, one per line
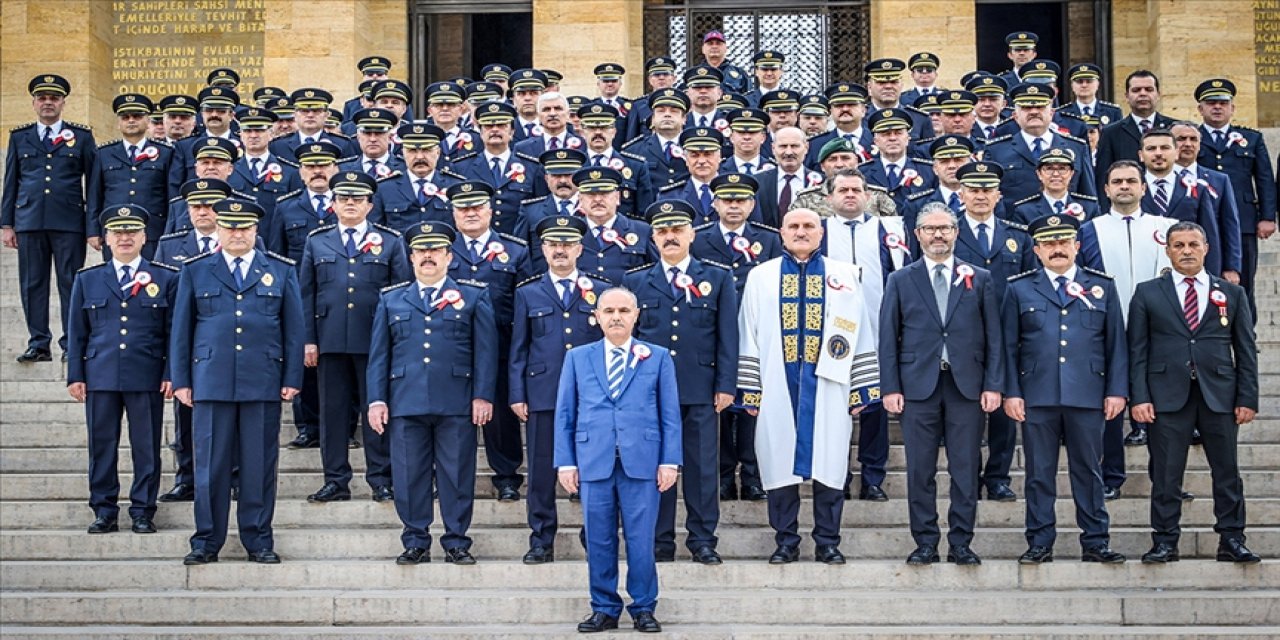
555 143
351 243
1037 148
1063 298
597 159
666 148
1161 197
205 244
617 362
1145 125
496 167
253 166
308 140
236 273
475 250
528 129
422 190
704 198
373 168
984 240
891 175
133 153
953 203
1088 111
1059 207
48 137
675 273
702 121
746 168
990 131
564 207
784 198
1217 138
849 137
730 237
853 245
1191 304
940 290
428 294
126 277
322 203
566 292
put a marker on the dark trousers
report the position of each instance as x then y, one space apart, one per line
1042 434
502 445
1249 267
185 473
1168 442
784 514
1002 439
1113 473
104 411
873 444
603 503
223 433
439 449
945 414
341 379
738 449
543 478
699 483
306 405
37 250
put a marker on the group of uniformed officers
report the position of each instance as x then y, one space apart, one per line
412 285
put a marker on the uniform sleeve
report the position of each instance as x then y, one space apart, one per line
9 195
180 334
485 349
307 283
95 192
1010 329
378 369
292 324
995 370
77 332
401 269
1223 207
1244 346
519 355
864 374
1266 183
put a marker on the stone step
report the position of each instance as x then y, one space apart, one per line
677 606
510 543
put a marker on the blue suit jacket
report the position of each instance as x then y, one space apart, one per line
425 360
502 275
117 179
285 146
340 294
209 355
925 179
543 333
593 430
265 191
1105 112
44 188
1249 168
535 145
1202 209
508 192
118 340
295 218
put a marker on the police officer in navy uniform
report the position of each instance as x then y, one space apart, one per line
344 267
1067 363
614 244
418 194
1085 80
1022 50
215 159
1018 154
660 73
217 105
893 168
236 347
558 168
599 129
117 347
433 366
42 212
553 313
132 169
513 177
257 172
659 144
846 103
884 87
702 149
373 134
689 306
500 261
1055 168
373 69
311 108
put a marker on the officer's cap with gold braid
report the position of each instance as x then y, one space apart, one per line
846 93
256 118
814 105
553 76
780 100
205 191
981 175
595 114
528 80
562 162
1053 227
375 120
178 104
1084 71
374 65
333 118
282 107
576 103
888 120
482 92
701 139
747 120
956 101
985 84
660 65
222 77
366 88
311 98
944 147
318 152
264 95
769 60
703 75
1040 71
392 89
431 235
1031 95
216 148
237 214
1215 89
669 98
469 194
597 180
125 217
884 69
1057 156
561 229
1022 40
730 101
923 61
49 83
609 71
734 186
928 103
495 113
669 213
420 136
132 103
496 72
352 183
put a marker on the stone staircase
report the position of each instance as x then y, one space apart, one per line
338 579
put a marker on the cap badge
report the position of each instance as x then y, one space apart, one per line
1054 221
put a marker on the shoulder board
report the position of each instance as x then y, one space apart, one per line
466 156
349 159
920 194
876 187
761 225
1007 136
1081 196
634 140
160 143
1068 114
705 225
162 265
640 268
448 171
284 259
390 176
77 125
1013 225
288 163
531 280
23 126
396 286
1166 271
386 229
907 107
867 162
473 283
243 196
679 184
1009 119
175 199
338 136
924 161
533 159
92 266
175 234
108 143
925 142
516 239
1100 274
1022 275
321 229
1030 198
634 156
1109 104
1071 137
717 264
291 194
597 278
199 256
1243 128
534 200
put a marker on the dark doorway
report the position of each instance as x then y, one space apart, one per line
451 38
501 37
996 19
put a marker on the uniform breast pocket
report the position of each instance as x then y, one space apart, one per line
270 299
96 308
704 313
1032 317
1244 153
208 301
157 307
1094 318
296 233
374 270
457 323
543 320
399 324
326 268
650 314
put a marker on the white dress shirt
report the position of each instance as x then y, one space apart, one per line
1202 289
245 261
133 267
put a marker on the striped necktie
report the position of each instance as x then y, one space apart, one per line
1161 197
1191 305
617 362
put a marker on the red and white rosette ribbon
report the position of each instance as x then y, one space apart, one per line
516 171
1076 211
65 136
536 130
864 153
430 190
140 280
273 172
1189 183
765 167
493 250
1076 290
611 236
639 352
1207 187
910 178
677 151
616 163
1235 137
371 240
572 143
964 273
146 153
382 170
1159 237
1219 300
720 124
1062 129
585 285
813 179
742 245
395 138
450 296
894 241
836 284
463 141
685 281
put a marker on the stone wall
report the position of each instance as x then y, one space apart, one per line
573 36
944 27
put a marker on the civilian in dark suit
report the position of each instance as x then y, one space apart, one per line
941 367
1122 140
779 185
133 170
1193 364
1170 196
608 448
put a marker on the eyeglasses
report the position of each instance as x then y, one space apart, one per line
945 230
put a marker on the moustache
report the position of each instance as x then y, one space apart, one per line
671 243
420 163
1058 255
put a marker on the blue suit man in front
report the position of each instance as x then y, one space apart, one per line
608 445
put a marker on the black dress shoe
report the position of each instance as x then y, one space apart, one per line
963 556
644 622
104 525
1196 438
508 493
330 492
383 494
143 525
664 556
784 554
597 622
352 443
181 492
458 555
874 493
1102 554
924 554
1187 496
754 493
1110 493
1137 437
1036 554
305 440
1001 493
264 556
728 492
35 355
1160 554
540 555
1233 550
199 557
828 554
706 555
414 555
